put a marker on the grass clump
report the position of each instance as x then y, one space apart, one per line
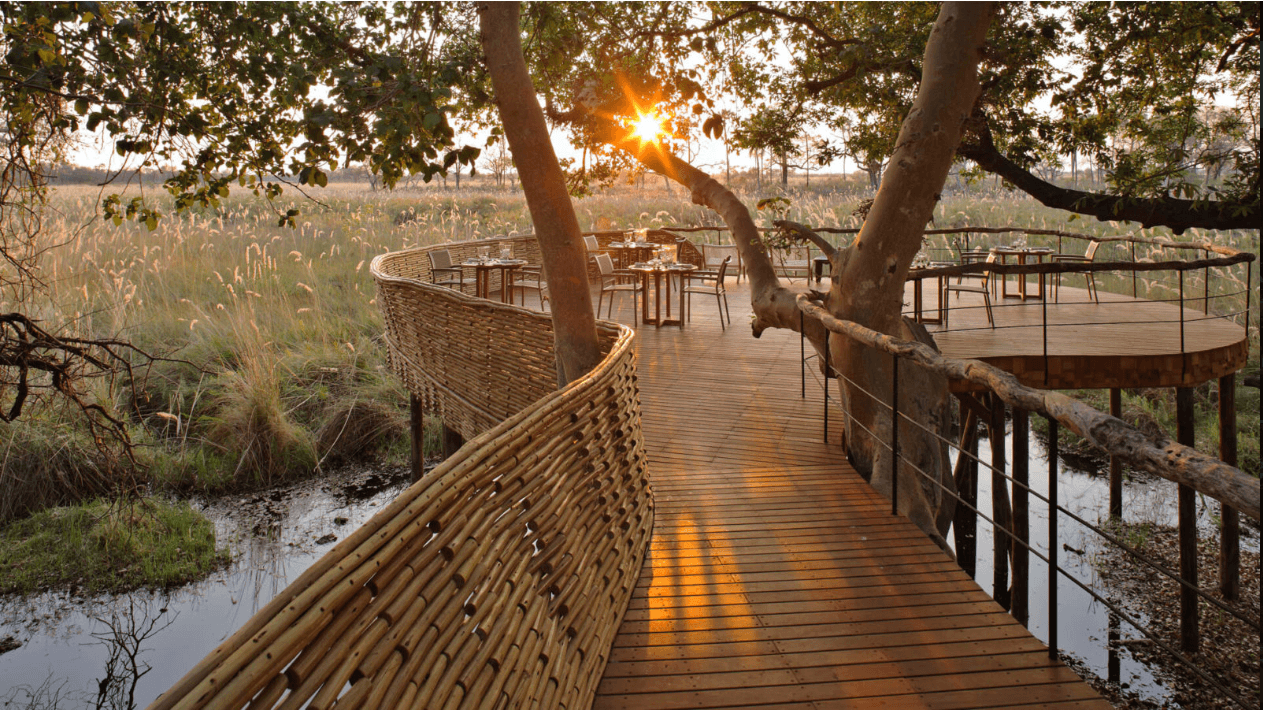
104 546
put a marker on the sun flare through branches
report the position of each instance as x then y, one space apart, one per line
648 128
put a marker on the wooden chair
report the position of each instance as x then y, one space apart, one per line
792 262
444 274
615 282
984 287
531 278
712 283
974 256
1087 258
714 254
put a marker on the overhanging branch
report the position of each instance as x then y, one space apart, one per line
1177 214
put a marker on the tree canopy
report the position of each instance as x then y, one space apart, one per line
1159 96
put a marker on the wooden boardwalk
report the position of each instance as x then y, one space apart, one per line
777 577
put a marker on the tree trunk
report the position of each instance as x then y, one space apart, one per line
873 271
556 227
871 284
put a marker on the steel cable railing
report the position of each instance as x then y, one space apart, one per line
1011 535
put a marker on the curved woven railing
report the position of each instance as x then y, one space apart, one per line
501 577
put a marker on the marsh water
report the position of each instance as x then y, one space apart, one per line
122 651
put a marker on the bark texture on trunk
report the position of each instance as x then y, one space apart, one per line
869 289
556 227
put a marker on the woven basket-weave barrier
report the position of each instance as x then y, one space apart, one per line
501 577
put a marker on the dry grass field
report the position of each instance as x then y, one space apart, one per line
277 366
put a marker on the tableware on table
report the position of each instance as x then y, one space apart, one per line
506 251
484 253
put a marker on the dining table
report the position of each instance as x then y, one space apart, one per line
1021 255
918 294
483 267
661 274
631 252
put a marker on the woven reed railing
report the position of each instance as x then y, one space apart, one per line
501 577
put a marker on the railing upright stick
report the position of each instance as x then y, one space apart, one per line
1021 515
1183 359
802 353
1206 307
1052 538
827 369
1043 320
894 435
1116 463
1001 507
1134 291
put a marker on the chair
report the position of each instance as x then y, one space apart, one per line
984 288
1087 258
714 254
614 282
531 278
444 274
973 256
794 261
712 283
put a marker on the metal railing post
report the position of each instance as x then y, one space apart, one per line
1043 321
1134 291
1183 359
1116 463
894 435
827 369
1206 308
1052 538
1021 516
802 353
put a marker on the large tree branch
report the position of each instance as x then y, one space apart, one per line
1170 212
904 65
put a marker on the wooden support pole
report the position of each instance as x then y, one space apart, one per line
452 441
1189 635
1230 533
1021 515
965 524
1116 463
416 432
1001 509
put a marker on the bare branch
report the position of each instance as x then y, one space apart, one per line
801 232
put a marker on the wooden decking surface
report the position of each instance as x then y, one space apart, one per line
777 577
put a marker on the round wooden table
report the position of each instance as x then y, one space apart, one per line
482 275
661 273
632 252
1024 255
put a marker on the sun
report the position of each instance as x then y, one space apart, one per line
648 128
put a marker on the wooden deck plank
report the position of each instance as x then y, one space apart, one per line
776 576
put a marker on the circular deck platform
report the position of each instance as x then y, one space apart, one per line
1121 342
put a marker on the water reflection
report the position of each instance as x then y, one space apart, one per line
124 634
123 651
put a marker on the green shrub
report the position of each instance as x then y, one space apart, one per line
107 546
